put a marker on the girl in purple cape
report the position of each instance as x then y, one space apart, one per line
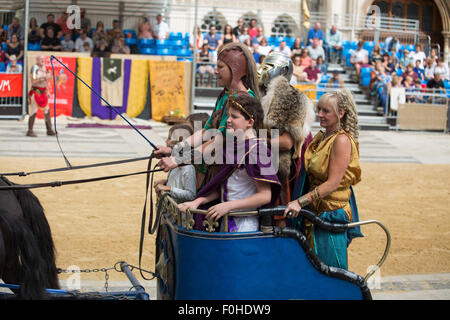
246 180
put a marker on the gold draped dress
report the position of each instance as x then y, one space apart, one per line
317 161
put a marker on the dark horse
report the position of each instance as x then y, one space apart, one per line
27 252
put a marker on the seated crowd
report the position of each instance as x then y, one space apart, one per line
396 66
310 58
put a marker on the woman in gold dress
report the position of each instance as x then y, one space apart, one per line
332 166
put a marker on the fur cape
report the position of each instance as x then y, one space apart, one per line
288 110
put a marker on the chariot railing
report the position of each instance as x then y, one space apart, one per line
186 220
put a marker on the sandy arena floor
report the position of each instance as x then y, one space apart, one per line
94 225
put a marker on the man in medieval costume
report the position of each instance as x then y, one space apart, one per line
290 112
38 96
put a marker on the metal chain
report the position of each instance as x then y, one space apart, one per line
116 267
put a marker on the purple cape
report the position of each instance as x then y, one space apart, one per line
252 154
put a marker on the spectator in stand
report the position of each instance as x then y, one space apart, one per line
321 65
101 48
259 37
333 39
335 81
33 32
212 38
391 42
115 32
17 28
420 71
283 48
391 65
409 73
145 30
442 69
99 32
385 63
62 22
237 30
313 73
409 88
13 66
205 59
67 44
51 42
52 24
79 43
3 35
315 49
305 59
418 96
160 28
228 35
359 59
14 48
381 79
200 40
418 55
393 55
85 22
375 55
429 69
264 49
315 32
437 86
434 56
298 75
120 46
253 29
296 48
244 34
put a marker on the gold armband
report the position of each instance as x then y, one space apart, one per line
303 201
315 195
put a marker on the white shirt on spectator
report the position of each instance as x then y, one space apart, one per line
418 56
314 53
264 50
67 45
443 71
360 55
79 44
286 50
161 29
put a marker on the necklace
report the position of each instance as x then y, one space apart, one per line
325 135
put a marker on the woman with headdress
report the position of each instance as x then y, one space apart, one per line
331 167
236 73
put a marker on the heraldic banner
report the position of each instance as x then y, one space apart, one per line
121 82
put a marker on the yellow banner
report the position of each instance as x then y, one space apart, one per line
310 90
138 87
167 88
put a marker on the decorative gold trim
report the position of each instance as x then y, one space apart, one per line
212 225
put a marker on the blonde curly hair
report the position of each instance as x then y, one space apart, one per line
343 99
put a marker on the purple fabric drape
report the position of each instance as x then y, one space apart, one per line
96 103
251 157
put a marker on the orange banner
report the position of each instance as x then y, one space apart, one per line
11 85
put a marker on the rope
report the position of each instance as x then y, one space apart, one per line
100 164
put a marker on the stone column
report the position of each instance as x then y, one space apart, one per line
446 49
